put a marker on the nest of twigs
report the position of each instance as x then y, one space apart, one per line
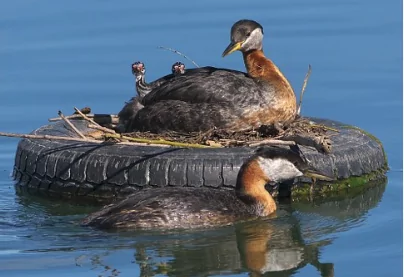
299 131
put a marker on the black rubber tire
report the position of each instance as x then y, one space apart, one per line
104 172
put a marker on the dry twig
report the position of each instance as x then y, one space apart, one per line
13 135
320 143
306 78
179 53
48 137
324 127
100 128
71 125
270 142
78 116
86 117
160 141
93 124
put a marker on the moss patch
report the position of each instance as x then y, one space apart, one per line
306 191
353 201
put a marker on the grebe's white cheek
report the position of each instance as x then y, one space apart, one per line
254 41
279 169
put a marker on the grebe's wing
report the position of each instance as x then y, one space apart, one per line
179 116
203 85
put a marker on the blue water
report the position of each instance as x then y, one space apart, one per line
55 56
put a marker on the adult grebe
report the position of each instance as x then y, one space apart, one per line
142 88
174 207
208 97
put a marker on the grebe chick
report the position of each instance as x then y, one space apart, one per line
207 97
185 207
139 71
133 105
178 68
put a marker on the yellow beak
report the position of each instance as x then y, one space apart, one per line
233 46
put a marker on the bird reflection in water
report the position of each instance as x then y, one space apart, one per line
264 248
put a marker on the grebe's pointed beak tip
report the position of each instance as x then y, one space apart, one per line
233 46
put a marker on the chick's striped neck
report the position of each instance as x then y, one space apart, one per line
141 86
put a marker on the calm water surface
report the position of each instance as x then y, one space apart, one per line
56 56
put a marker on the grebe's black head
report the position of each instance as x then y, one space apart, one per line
139 70
280 164
178 68
245 35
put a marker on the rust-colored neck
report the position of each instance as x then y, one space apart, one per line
259 66
251 183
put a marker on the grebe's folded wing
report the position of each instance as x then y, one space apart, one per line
204 85
179 116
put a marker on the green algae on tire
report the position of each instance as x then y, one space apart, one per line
305 191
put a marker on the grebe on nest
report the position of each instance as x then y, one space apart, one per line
208 97
142 88
184 208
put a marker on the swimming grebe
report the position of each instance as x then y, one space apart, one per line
208 97
185 207
142 88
